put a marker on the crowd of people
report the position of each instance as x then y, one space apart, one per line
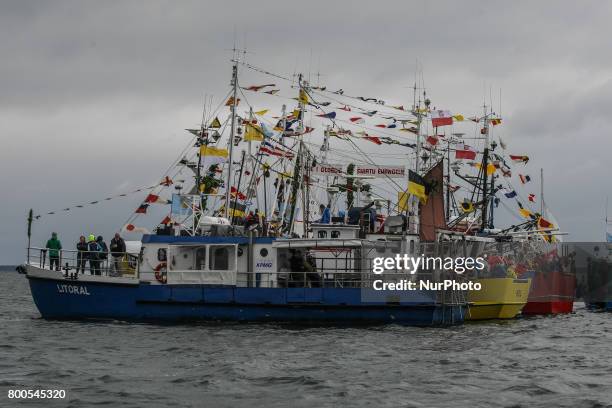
91 250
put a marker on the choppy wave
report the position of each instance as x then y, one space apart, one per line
562 361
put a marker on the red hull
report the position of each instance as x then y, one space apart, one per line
551 293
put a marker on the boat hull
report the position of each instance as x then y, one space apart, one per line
499 298
551 293
126 299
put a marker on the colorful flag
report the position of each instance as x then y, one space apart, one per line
253 133
531 197
135 229
441 118
330 115
524 178
465 153
303 96
373 139
525 213
180 205
357 120
261 112
166 221
516 158
511 194
257 87
417 186
432 140
544 224
215 124
496 121
142 209
345 108
402 201
272 91
167 181
155 199
458 118
211 151
230 101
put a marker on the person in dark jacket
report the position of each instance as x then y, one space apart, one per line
103 255
117 248
54 246
93 255
82 254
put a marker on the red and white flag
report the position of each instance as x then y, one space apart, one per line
465 153
441 118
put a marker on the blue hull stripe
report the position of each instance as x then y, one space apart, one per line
66 299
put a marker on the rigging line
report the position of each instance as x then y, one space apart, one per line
355 146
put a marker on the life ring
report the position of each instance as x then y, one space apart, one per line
160 275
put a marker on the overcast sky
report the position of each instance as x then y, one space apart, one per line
94 95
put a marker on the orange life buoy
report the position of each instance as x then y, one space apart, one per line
159 274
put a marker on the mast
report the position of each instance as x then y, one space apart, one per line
485 164
295 188
541 192
228 187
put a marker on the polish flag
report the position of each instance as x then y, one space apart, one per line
465 153
441 118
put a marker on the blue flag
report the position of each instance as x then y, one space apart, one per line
180 205
510 194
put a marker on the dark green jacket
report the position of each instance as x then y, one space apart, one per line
54 245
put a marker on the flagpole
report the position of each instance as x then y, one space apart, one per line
228 187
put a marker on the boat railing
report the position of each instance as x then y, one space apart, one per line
72 262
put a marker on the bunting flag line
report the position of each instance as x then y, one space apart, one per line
257 87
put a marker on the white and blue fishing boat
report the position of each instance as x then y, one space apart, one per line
213 259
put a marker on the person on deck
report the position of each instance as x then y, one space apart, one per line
93 255
103 256
82 254
117 248
54 246
325 214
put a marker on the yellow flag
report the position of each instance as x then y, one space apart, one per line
296 113
261 112
303 96
402 201
458 118
253 133
213 151
215 124
525 213
490 168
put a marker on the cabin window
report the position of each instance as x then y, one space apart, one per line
220 258
322 234
161 255
335 234
200 258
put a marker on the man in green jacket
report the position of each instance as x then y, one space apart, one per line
54 246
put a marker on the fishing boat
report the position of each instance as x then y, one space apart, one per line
238 247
